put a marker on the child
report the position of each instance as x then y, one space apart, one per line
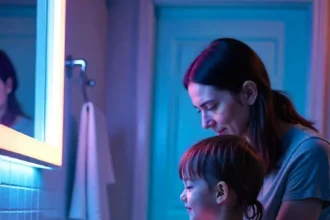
222 177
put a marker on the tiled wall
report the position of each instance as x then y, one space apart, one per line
19 191
25 196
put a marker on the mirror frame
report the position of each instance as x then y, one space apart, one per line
45 150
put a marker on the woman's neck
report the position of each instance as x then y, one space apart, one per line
2 111
230 216
7 118
282 128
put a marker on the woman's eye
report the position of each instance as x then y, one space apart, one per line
213 107
210 108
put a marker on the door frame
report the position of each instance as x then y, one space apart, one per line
318 91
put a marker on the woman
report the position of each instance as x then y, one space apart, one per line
11 113
216 174
229 85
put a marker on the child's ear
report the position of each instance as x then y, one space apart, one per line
222 192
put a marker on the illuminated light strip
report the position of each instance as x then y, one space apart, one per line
24 163
19 143
55 86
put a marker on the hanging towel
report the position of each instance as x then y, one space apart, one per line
94 170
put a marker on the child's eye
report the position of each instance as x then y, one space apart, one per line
189 187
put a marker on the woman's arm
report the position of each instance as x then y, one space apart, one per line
307 209
308 183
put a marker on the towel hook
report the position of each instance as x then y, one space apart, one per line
70 63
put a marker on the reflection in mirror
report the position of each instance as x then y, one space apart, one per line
17 65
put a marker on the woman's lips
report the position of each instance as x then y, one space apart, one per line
221 132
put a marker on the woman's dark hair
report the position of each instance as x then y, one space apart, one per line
231 159
226 64
7 71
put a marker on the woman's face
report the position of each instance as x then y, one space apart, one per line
5 89
221 110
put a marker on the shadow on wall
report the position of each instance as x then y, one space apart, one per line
122 189
71 154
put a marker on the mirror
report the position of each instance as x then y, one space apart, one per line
18 32
32 37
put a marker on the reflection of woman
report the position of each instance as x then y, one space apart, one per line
11 113
229 85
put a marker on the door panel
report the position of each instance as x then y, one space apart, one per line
279 35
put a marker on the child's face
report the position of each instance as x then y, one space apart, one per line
200 201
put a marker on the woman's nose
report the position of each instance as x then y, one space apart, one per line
206 122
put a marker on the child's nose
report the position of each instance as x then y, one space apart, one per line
183 197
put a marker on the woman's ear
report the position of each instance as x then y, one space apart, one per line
249 92
222 192
9 85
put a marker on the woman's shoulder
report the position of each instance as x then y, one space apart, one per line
24 125
21 120
303 141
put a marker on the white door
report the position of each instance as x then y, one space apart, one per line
280 35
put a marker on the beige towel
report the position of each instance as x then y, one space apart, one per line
94 170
